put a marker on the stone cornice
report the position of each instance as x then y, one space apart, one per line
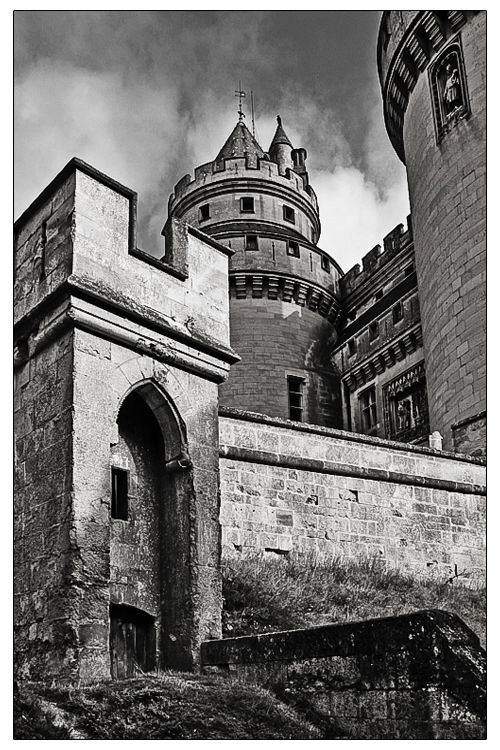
383 358
422 38
284 287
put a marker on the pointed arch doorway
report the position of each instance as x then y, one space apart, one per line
150 485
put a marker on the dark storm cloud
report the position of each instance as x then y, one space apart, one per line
145 96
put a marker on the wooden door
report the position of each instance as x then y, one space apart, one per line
132 642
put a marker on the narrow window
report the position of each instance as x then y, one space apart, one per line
409 270
351 315
204 212
397 313
295 398
373 330
289 214
379 294
247 205
325 263
293 249
251 242
351 347
368 407
119 494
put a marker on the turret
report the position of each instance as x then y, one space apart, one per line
280 150
283 288
432 67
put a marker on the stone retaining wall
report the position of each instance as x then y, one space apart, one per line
289 487
418 676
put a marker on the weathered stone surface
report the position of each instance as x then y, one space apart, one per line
103 384
406 506
418 676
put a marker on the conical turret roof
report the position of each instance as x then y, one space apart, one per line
240 143
280 136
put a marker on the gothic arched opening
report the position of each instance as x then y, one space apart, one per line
149 486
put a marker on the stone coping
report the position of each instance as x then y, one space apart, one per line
373 636
354 437
75 164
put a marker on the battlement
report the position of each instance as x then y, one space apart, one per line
250 167
395 241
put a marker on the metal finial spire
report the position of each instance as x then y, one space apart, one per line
241 95
279 120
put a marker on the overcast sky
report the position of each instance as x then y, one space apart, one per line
146 96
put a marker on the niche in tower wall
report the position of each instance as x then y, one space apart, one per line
406 412
449 89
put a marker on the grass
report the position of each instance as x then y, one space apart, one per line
261 594
169 705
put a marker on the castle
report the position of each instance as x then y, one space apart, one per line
243 382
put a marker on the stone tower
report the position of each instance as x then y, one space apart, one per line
432 71
283 288
118 360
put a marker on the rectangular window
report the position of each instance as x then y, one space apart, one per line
204 212
325 263
251 242
293 249
351 347
247 205
397 313
368 408
379 294
119 494
373 331
295 398
289 214
351 315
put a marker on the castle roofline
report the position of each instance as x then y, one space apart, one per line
240 143
280 136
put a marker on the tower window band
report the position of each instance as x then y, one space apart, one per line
119 494
295 398
289 214
247 205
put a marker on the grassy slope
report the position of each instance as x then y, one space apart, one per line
262 595
166 706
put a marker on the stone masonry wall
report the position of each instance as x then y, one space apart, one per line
96 319
296 488
275 339
417 676
44 554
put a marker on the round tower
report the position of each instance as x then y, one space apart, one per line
432 71
283 288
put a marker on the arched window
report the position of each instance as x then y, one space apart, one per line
449 89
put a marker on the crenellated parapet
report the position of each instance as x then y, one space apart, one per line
395 241
243 168
407 42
